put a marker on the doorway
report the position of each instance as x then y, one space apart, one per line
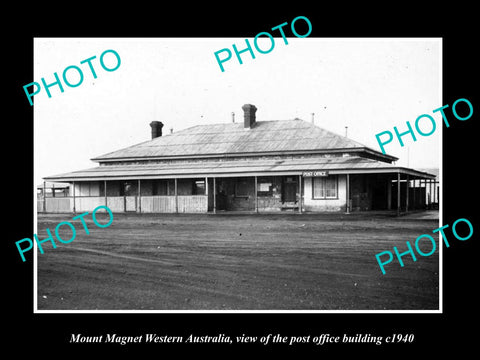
289 193
130 199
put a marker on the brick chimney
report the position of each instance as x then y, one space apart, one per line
249 115
156 129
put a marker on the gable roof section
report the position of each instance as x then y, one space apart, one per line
233 139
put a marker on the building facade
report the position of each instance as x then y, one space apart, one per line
258 166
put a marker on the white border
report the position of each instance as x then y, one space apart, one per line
439 311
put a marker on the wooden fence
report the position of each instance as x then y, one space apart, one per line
143 204
157 204
192 203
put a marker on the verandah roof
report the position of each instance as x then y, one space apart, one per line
237 168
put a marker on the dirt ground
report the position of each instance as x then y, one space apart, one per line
237 262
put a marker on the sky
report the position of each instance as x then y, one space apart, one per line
369 85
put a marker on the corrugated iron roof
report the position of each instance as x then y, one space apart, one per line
232 138
245 167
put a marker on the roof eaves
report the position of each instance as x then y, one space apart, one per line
233 154
378 153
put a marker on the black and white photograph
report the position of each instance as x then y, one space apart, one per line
261 187
241 180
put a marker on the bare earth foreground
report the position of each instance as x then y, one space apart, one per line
237 262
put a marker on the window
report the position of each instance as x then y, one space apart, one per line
325 187
243 188
85 189
265 186
199 187
163 187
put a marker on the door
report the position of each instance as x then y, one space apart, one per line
221 197
210 194
129 189
289 189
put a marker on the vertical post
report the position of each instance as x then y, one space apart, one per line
427 200
348 193
430 193
433 191
408 185
105 191
214 196
256 197
419 193
398 194
389 195
53 190
122 189
300 193
414 191
176 196
426 194
74 197
139 192
44 197
422 198
206 191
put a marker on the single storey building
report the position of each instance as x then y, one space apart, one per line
260 166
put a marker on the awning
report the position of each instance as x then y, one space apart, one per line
235 168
